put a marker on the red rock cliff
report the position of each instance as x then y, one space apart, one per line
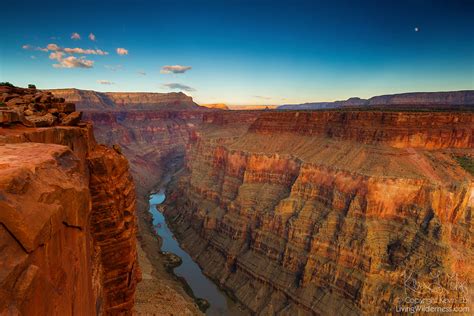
397 129
300 215
67 222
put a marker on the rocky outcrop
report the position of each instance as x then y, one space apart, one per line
67 224
87 100
47 256
299 220
35 108
420 100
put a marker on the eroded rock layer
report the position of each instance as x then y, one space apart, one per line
107 101
421 100
332 213
67 224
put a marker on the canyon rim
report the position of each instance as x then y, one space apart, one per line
237 158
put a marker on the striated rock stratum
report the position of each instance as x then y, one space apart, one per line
123 101
67 214
348 212
332 213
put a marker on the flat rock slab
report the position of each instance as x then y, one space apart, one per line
41 187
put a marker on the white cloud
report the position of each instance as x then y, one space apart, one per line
74 62
59 54
262 97
176 69
75 36
105 82
178 86
70 62
92 37
78 50
33 57
141 73
53 47
122 51
56 55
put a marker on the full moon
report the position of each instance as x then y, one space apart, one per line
416 29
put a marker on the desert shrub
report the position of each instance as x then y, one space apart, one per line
6 83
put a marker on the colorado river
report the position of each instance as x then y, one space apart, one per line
202 287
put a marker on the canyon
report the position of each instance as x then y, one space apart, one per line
343 211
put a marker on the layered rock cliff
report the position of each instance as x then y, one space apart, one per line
123 101
68 224
332 213
351 212
427 100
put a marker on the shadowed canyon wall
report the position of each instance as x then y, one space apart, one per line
67 220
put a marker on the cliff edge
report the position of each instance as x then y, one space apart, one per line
67 219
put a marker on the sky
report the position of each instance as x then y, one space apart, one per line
241 52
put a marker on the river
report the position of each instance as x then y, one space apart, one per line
202 287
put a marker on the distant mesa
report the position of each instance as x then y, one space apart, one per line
253 107
220 106
412 100
89 100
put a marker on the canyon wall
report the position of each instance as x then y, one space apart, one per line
107 101
420 100
332 213
397 129
350 212
68 224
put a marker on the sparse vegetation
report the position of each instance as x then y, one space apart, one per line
31 86
6 83
466 162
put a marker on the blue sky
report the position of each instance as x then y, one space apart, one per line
241 52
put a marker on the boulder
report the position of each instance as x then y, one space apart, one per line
72 119
41 121
66 107
8 116
29 112
45 98
15 101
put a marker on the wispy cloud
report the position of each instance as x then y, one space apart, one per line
141 73
75 36
29 47
122 51
176 69
107 82
262 97
178 86
33 57
55 48
113 68
92 37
